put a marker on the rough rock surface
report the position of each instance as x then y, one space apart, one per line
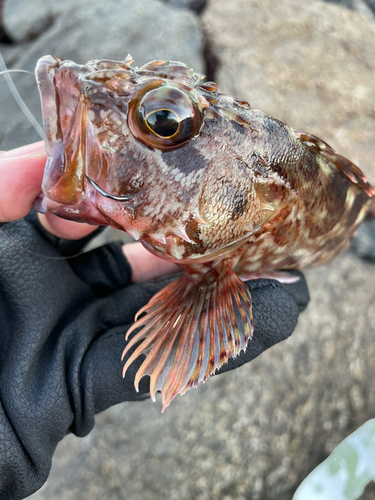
309 64
196 5
366 7
24 20
254 433
363 244
148 29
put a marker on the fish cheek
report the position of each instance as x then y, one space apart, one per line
126 174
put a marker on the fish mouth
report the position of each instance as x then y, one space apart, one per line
63 111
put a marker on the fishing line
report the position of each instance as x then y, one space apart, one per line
21 103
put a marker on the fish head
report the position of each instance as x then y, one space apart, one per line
152 151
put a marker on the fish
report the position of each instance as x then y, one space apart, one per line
201 179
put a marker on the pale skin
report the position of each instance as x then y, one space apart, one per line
21 174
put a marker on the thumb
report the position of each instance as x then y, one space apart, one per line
102 374
21 174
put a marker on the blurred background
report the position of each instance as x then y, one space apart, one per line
257 432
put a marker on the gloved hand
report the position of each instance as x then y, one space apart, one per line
62 330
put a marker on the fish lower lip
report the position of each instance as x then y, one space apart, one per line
104 193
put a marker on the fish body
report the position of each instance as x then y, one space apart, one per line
202 179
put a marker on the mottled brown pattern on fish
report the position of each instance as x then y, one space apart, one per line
201 178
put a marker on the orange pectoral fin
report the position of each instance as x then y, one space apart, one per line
191 328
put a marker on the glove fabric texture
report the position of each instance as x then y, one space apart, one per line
62 332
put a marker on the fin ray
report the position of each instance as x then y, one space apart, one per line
190 329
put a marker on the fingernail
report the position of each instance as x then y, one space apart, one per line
24 150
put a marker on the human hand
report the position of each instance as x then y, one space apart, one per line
62 327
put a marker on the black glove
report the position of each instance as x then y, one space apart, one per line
62 327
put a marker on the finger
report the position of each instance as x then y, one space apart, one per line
24 150
106 268
101 373
146 266
299 290
101 370
20 180
65 228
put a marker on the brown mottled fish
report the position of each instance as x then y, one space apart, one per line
202 179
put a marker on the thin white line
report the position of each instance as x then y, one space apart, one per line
21 103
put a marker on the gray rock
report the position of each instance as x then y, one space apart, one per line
98 29
196 5
364 242
26 20
344 3
366 7
4 38
309 64
108 30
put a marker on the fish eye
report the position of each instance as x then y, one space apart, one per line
163 122
164 116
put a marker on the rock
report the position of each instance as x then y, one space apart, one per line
26 20
196 5
4 38
344 3
132 28
360 6
365 7
309 64
103 30
371 4
95 30
364 242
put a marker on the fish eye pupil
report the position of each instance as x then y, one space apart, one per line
163 123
